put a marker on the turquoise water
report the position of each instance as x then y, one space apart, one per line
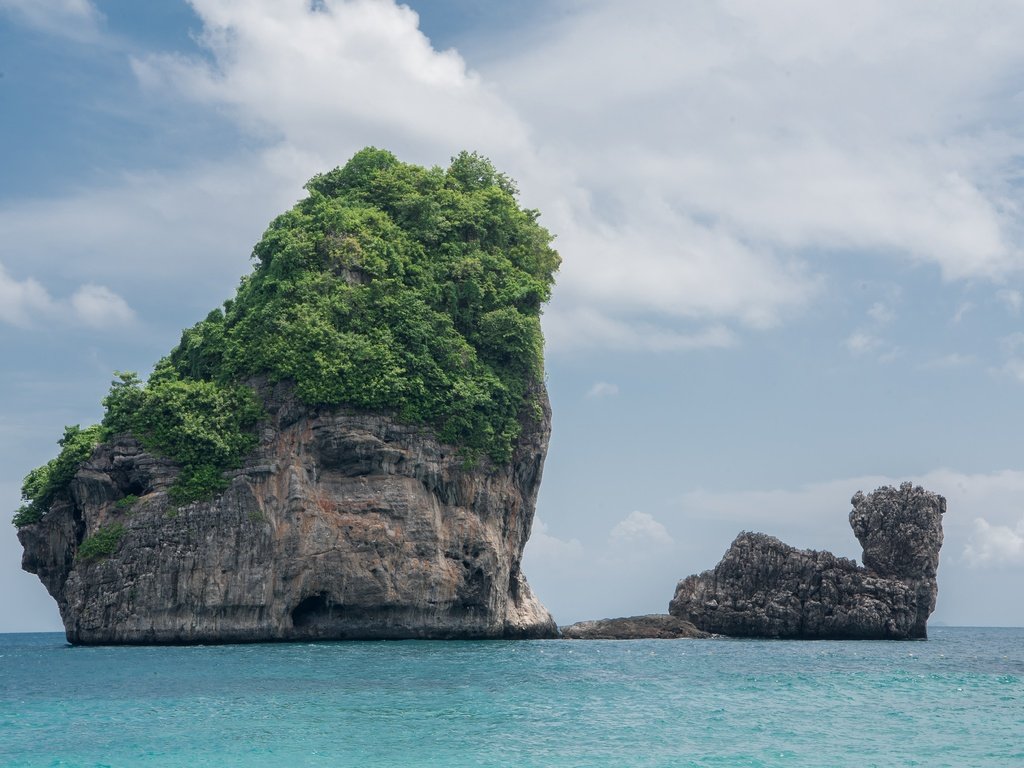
956 700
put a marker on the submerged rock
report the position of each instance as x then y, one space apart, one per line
340 525
656 626
765 588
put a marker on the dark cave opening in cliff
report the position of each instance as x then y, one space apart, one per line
313 610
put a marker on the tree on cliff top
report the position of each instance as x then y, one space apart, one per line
390 287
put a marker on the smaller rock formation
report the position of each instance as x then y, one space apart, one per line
656 626
765 588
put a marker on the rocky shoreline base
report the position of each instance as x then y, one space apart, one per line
655 626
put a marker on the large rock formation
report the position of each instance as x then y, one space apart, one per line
341 525
350 447
765 588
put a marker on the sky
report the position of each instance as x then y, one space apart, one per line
791 237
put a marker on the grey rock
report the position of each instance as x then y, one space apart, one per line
765 588
655 626
342 525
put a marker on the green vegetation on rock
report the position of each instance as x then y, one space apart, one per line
394 287
390 287
43 484
101 544
204 426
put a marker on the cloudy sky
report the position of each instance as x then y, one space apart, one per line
791 238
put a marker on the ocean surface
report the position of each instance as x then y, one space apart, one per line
954 700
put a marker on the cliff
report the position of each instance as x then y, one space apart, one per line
341 525
351 447
765 588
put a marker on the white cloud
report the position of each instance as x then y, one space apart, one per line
952 360
661 261
789 128
22 301
328 81
631 571
818 511
639 529
813 515
961 312
156 229
699 163
99 307
1013 342
1014 365
585 328
75 19
361 72
881 313
550 550
26 303
1011 299
995 544
892 353
603 389
861 342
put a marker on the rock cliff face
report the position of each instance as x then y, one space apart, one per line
765 588
341 525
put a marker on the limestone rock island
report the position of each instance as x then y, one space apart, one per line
765 588
350 448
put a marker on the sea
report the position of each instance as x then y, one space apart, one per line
956 699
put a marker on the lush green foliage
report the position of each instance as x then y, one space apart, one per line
390 287
101 544
43 484
204 426
394 287
127 502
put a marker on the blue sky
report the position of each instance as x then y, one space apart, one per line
791 241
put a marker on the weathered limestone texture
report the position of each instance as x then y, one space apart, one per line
764 588
342 525
655 626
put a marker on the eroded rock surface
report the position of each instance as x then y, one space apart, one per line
656 626
765 588
341 525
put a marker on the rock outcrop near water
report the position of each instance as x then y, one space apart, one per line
340 525
765 588
656 626
350 447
